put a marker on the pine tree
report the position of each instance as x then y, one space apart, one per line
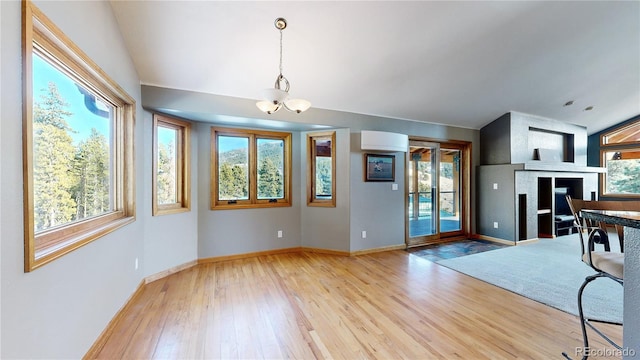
166 179
91 191
53 156
232 182
323 176
270 184
622 176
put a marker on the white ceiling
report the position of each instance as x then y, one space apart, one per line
449 62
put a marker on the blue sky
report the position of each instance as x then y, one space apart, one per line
82 119
226 143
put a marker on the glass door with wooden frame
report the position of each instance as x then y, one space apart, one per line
435 199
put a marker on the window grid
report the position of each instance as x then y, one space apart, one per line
221 137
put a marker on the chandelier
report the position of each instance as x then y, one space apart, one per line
278 96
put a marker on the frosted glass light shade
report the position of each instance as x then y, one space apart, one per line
274 95
268 106
297 105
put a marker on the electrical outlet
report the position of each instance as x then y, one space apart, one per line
364 234
394 186
136 263
495 186
279 233
495 224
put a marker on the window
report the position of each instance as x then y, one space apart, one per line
251 168
78 145
620 155
171 165
321 173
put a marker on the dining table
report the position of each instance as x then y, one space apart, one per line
631 302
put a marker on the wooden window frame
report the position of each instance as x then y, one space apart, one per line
312 200
252 201
41 36
183 165
605 147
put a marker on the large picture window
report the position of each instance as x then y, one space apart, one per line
250 168
171 165
620 155
78 136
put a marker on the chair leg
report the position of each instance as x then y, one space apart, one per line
583 325
584 321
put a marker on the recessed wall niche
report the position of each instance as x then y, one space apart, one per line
550 146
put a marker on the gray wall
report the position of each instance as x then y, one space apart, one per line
498 134
372 202
232 232
328 227
169 240
507 140
373 207
488 198
58 310
502 205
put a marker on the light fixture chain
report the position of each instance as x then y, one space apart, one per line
278 97
280 52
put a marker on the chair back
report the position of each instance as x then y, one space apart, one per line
596 233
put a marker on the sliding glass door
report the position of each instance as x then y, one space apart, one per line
435 198
423 186
450 190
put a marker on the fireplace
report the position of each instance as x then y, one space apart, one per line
528 165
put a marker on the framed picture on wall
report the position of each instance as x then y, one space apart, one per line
379 167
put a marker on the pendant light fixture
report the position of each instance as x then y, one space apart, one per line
278 96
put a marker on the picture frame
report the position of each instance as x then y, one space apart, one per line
379 167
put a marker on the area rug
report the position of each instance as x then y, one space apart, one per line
548 271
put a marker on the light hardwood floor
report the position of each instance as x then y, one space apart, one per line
390 305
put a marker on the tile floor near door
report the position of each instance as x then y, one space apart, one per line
454 249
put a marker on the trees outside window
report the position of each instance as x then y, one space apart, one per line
250 168
171 165
78 128
321 165
620 155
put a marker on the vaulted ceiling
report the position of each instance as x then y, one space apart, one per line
449 62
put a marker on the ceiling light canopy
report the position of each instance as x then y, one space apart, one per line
278 96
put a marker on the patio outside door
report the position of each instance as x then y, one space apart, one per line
434 192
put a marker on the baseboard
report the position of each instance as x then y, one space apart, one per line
249 255
170 271
97 346
528 241
325 251
497 240
380 249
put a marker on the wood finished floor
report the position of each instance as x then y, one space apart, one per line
390 305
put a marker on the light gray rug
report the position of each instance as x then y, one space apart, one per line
548 271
